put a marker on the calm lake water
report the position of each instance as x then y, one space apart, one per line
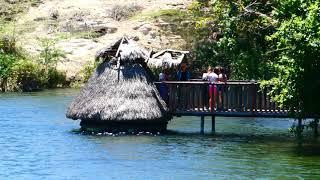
38 142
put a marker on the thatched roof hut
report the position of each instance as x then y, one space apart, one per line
169 57
120 95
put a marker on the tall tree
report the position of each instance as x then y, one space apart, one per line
297 48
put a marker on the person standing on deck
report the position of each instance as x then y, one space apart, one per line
222 77
205 75
183 74
163 88
212 77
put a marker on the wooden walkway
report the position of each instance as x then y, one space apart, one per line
231 99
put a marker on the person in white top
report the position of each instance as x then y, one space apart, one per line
212 76
204 75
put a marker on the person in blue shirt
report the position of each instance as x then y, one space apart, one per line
183 74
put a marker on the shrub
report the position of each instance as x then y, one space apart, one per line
56 78
6 63
120 12
49 54
26 76
88 70
8 44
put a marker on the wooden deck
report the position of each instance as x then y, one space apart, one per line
231 99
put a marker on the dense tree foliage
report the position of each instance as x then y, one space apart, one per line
232 34
272 40
297 45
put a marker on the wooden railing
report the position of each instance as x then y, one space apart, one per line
234 98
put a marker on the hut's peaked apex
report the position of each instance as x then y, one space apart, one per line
123 48
169 56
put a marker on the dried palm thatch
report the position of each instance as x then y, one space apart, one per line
120 92
169 57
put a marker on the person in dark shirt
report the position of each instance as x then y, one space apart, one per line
183 74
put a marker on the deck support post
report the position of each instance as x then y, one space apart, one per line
202 125
316 122
299 128
213 124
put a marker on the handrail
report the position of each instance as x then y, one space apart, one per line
206 82
244 98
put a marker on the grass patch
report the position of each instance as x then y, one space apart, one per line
77 35
10 10
172 15
176 22
122 12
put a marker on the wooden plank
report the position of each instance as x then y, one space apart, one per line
188 93
203 96
262 100
267 100
170 102
222 103
258 100
197 98
175 96
233 98
247 103
227 97
211 96
238 98
273 106
254 98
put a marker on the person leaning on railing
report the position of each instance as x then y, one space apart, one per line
222 78
163 88
212 77
183 74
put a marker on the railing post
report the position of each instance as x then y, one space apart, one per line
211 97
254 97
299 128
204 95
226 91
202 125
316 122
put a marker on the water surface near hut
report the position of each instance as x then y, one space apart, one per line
38 142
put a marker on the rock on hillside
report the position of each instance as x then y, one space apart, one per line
82 27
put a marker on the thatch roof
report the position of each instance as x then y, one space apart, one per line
120 91
169 57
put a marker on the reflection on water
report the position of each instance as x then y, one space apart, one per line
37 141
